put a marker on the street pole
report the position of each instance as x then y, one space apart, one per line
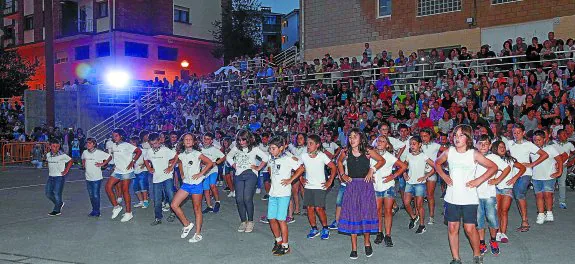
49 55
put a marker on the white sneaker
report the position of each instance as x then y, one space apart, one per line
119 200
232 194
549 217
242 227
249 227
258 190
116 211
196 238
498 237
431 221
186 230
540 218
165 207
138 205
127 217
504 238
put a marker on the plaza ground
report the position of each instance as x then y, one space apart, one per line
29 235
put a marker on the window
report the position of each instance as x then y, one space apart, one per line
29 22
133 49
181 14
496 2
61 57
102 49
167 54
82 52
384 8
285 23
270 20
434 7
102 9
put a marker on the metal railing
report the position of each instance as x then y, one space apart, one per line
288 57
122 96
126 116
404 78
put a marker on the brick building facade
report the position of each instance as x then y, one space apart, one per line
343 26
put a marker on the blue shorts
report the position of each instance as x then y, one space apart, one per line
389 193
278 208
544 186
192 188
456 212
210 180
418 190
487 209
505 192
266 176
127 176
340 193
401 183
520 187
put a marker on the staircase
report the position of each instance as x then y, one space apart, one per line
288 57
126 116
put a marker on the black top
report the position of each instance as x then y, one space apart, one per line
357 167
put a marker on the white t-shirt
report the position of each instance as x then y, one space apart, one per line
566 148
522 151
109 147
57 163
297 151
431 150
160 160
544 169
383 172
396 143
190 166
315 170
139 167
213 154
462 168
281 168
417 166
123 154
94 173
330 147
244 159
503 184
485 190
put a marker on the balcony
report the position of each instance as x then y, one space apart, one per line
10 9
77 27
9 38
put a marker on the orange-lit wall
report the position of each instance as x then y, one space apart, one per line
196 52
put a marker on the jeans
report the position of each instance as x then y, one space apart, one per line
561 182
54 188
165 187
179 177
94 193
141 183
245 185
37 164
520 187
487 209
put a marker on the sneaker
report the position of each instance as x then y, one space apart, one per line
156 222
62 206
186 230
324 233
227 189
482 248
413 221
116 211
498 237
232 194
368 251
119 200
258 190
313 233
378 238
127 217
138 205
171 218
540 218
333 225
276 247
145 205
563 205
549 217
420 230
196 238
388 242
265 197
207 210
431 221
54 213
242 227
94 214
264 219
455 261
290 220
282 251
219 184
216 207
249 227
395 210
494 248
165 207
504 238
353 255
478 260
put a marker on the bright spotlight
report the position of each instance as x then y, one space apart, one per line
118 79
185 64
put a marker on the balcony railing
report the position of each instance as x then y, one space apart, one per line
10 7
77 27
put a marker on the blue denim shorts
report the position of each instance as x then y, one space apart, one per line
278 208
127 176
416 189
521 186
389 193
544 186
432 178
211 179
339 198
487 209
401 183
505 192
192 188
